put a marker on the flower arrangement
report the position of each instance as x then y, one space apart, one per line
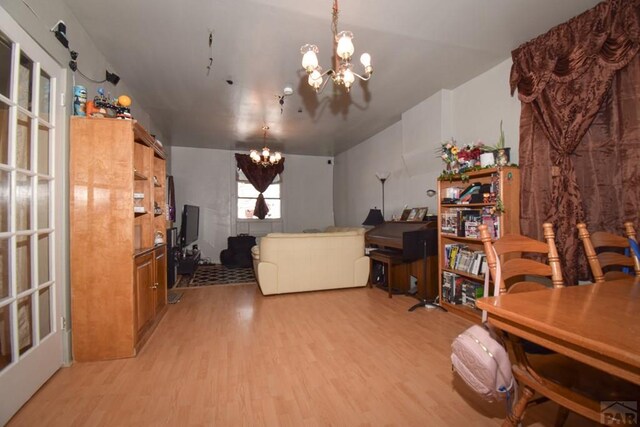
460 159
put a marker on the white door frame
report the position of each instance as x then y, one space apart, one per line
24 376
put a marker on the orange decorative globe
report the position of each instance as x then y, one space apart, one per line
124 100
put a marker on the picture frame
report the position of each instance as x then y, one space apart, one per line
413 214
422 212
405 214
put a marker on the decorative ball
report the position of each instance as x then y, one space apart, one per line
124 100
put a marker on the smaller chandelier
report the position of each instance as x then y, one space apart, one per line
265 157
343 48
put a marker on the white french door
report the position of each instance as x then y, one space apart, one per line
31 216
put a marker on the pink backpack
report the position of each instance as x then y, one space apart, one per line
481 360
483 363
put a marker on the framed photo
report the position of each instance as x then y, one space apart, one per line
413 214
422 212
405 214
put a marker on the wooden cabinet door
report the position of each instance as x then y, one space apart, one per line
161 278
144 288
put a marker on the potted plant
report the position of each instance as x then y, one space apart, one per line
500 153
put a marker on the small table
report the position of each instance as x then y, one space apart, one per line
395 267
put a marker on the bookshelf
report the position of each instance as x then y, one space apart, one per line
117 206
495 201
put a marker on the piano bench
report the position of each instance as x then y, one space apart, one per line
394 266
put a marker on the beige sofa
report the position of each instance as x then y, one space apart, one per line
299 262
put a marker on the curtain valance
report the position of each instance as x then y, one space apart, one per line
606 37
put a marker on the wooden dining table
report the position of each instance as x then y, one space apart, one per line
596 324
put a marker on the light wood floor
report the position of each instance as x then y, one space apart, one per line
227 356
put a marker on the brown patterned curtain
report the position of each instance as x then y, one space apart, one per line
564 80
261 178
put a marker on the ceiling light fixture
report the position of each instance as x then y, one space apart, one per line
265 157
342 73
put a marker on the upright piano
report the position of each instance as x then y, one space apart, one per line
404 249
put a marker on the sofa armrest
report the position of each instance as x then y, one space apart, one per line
267 275
361 271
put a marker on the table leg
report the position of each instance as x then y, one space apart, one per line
513 419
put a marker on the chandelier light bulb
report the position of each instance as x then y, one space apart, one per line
265 153
348 77
315 79
309 58
345 44
278 156
365 59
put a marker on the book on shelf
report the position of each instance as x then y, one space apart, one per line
492 222
451 287
449 222
471 229
470 292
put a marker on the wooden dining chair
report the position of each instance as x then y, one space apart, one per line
573 385
515 270
600 248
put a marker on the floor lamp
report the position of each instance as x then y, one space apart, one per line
382 176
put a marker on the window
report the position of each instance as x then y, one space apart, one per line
247 196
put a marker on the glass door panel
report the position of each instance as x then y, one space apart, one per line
25 82
43 150
45 96
25 324
4 269
6 349
43 203
4 132
23 148
44 310
23 202
5 199
5 65
23 263
44 272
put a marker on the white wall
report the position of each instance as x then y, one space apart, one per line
408 149
206 178
480 104
307 185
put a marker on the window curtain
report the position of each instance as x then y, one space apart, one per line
261 178
579 127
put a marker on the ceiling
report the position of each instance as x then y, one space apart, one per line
160 48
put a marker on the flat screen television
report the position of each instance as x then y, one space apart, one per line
190 225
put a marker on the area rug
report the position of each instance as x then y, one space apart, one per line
217 274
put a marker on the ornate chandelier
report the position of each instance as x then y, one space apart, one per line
265 157
342 73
